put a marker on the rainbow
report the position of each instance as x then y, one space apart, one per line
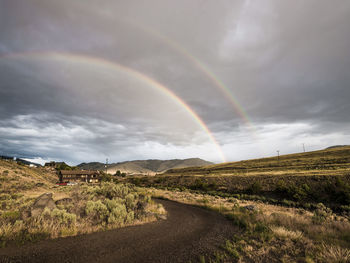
83 58
202 67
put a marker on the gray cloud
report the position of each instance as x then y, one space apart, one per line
286 62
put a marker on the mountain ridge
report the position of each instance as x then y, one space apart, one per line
150 166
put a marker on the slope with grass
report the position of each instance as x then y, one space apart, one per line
297 179
335 160
19 178
73 210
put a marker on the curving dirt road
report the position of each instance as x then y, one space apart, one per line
188 233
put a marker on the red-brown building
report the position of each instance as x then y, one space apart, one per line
79 176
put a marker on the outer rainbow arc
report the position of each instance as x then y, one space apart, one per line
113 65
215 80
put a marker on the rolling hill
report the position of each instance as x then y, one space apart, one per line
335 159
149 167
16 177
294 179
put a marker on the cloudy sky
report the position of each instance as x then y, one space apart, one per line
143 79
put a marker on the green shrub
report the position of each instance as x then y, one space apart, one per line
231 249
255 188
262 231
199 184
147 199
11 216
106 177
130 201
136 181
288 203
239 220
117 215
63 166
5 197
59 217
111 190
130 217
292 191
97 211
321 213
62 217
111 204
339 191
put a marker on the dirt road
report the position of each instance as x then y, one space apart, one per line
188 233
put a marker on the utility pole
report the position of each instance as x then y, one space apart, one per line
106 164
304 147
278 157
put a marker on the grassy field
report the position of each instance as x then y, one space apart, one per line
299 180
335 161
78 209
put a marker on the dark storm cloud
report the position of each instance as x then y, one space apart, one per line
298 60
286 62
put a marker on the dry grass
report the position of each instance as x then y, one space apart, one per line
90 208
298 180
336 160
273 233
282 232
334 254
21 178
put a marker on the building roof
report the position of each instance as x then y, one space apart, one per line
78 172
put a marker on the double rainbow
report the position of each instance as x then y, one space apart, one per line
228 94
86 59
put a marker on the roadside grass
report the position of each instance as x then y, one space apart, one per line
270 233
293 191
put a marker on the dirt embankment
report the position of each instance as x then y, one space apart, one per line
188 233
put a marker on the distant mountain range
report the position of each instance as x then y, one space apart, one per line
145 166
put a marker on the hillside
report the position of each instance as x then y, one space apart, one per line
18 160
336 159
298 179
19 178
33 207
146 166
92 166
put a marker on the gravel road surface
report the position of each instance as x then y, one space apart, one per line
188 233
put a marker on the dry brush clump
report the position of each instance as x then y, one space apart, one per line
334 254
87 209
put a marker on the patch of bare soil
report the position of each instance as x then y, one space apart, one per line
188 233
